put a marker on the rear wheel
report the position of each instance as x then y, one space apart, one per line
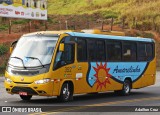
66 93
24 97
126 88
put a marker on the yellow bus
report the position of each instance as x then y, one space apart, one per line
47 64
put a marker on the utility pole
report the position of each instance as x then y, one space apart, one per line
10 26
60 27
66 24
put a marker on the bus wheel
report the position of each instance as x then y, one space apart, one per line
66 93
126 87
28 97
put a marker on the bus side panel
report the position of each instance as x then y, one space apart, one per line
101 77
105 76
62 74
114 85
149 76
94 79
81 85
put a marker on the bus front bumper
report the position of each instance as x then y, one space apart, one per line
29 89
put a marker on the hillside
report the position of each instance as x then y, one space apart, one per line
134 17
142 11
120 8
138 14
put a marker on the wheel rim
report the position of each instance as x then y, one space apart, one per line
126 87
66 93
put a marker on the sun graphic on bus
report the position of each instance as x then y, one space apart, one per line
102 75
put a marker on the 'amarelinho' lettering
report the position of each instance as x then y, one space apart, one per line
126 70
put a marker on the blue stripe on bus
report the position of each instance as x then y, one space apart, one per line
117 71
87 35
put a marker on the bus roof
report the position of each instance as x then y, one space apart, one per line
104 32
87 35
47 32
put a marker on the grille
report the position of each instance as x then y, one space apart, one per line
23 82
25 72
24 89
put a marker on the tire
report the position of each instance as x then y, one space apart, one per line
26 98
66 93
126 89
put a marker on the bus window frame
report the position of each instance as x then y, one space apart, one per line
121 44
104 42
106 45
153 51
55 67
129 42
86 49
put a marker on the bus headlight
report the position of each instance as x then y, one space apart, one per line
8 80
42 81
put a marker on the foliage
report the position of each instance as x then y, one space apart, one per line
140 9
3 27
3 66
148 35
3 49
109 14
20 21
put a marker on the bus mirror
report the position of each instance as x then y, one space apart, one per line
11 49
61 47
13 45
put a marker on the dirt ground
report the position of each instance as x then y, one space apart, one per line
9 37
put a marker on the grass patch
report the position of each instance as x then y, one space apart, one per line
20 21
148 35
2 68
3 49
3 27
142 10
3 65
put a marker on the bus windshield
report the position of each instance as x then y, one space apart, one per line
33 51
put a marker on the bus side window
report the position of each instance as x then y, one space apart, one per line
142 54
81 50
145 51
129 51
91 50
65 57
101 56
68 55
114 51
149 50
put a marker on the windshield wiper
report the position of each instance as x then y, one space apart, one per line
36 59
19 59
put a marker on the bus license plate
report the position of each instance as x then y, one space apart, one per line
23 93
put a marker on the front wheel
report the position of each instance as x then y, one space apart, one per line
28 97
66 93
